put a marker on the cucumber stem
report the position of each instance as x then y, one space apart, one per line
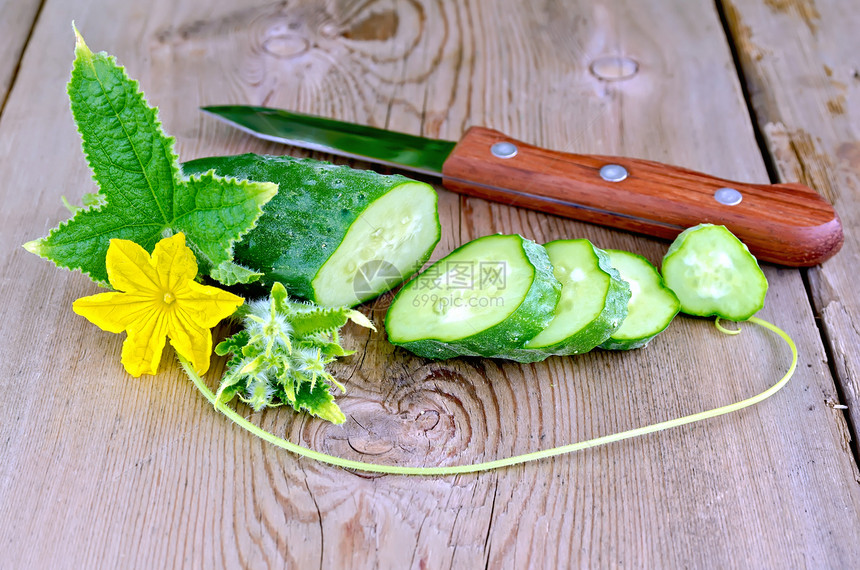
509 461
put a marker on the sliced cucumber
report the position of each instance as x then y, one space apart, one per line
651 307
592 306
486 298
713 273
333 234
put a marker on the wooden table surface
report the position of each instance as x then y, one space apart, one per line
98 469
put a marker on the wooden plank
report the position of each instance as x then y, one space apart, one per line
18 18
799 59
99 469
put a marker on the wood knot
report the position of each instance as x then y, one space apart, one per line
614 68
286 47
379 434
378 26
413 426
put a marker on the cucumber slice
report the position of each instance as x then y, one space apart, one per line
713 273
652 305
486 298
592 306
333 234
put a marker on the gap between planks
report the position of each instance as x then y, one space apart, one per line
12 78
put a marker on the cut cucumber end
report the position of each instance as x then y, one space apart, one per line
322 232
713 273
651 307
389 241
486 298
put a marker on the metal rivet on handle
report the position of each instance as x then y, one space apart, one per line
613 172
504 149
728 196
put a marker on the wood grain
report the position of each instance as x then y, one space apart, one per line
18 18
101 470
813 134
788 224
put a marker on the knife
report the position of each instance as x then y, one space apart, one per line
787 224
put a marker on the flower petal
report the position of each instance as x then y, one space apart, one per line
141 351
174 262
206 306
189 339
130 268
113 312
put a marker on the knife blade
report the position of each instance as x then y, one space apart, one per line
787 224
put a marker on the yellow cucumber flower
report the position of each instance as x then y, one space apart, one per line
157 297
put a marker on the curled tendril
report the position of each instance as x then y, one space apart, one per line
724 330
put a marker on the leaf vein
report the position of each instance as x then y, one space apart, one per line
131 143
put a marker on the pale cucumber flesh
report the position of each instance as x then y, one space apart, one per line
487 298
651 307
381 247
593 299
713 273
450 300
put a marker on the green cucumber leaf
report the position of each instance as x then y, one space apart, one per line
89 200
318 401
142 194
233 343
229 273
319 320
310 319
329 349
230 387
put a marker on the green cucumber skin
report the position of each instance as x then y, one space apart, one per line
306 221
599 330
634 343
505 338
762 280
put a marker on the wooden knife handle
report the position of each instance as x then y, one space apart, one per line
788 224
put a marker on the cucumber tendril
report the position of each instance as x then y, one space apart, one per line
509 461
724 330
